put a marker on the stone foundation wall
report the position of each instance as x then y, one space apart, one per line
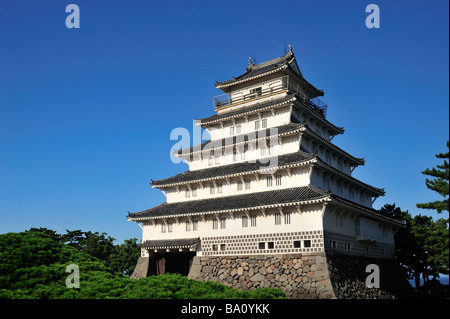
299 276
312 276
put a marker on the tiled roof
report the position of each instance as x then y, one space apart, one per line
253 71
261 68
231 169
171 243
232 203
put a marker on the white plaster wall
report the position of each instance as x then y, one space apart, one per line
345 223
281 117
347 190
299 177
309 219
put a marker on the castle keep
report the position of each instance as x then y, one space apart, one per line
270 200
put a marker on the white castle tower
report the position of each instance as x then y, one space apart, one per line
269 182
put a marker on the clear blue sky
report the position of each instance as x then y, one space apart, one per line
86 114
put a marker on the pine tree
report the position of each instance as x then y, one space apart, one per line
439 184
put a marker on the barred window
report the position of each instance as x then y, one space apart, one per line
253 220
244 221
257 124
247 184
188 226
223 223
215 224
287 218
277 219
269 181
278 180
195 224
264 123
239 185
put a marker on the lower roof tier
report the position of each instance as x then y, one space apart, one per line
261 200
230 203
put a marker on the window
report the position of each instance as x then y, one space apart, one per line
219 188
296 243
269 181
238 129
253 220
270 245
256 92
333 244
306 243
215 247
187 193
243 152
263 150
212 189
287 218
278 180
222 247
163 228
366 249
231 130
195 224
244 221
210 159
257 124
277 219
169 227
262 245
271 149
235 155
264 123
239 185
215 224
247 184
188 226
347 246
223 224
217 159
194 192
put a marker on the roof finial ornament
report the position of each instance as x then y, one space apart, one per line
290 48
250 61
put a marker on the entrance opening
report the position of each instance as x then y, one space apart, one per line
172 262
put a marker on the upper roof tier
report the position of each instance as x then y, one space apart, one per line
286 64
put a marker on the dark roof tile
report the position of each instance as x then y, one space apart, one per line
225 203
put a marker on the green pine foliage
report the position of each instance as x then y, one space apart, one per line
439 184
33 266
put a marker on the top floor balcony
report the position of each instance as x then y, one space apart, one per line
264 90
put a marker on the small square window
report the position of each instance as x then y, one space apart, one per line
306 243
262 245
